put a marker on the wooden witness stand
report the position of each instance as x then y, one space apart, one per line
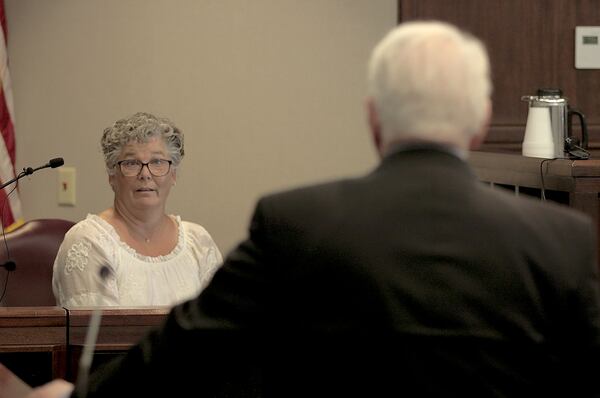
120 329
33 342
575 183
39 344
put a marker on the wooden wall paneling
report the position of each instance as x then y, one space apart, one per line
531 45
587 95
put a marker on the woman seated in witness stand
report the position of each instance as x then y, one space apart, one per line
148 258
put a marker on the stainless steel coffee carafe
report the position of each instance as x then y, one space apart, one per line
548 129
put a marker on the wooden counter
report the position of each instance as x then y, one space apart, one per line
574 183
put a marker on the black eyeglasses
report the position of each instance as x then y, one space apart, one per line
156 167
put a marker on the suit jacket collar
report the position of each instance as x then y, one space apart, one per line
411 146
425 158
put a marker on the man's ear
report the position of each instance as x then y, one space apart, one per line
374 125
480 136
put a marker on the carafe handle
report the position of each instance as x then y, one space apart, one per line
582 122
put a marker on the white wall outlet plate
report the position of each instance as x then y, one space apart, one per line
66 186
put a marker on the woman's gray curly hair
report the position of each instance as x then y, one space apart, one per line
140 127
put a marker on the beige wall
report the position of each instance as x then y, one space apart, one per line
269 94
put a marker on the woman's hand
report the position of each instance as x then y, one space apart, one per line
55 389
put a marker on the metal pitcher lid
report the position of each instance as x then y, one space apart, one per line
549 92
546 97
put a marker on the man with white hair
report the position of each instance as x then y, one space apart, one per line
414 279
429 82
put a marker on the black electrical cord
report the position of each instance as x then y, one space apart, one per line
8 269
543 188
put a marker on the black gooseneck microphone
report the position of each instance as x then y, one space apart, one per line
53 163
85 361
10 265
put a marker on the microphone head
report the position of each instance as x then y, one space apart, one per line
10 265
104 272
56 162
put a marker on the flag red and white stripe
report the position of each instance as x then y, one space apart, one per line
11 211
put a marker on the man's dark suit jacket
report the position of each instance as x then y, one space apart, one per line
414 279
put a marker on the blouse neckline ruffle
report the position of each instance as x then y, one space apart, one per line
112 232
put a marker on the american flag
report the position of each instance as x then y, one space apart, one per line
11 211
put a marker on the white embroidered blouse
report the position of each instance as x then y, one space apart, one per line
134 279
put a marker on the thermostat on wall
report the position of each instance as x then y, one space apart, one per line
587 47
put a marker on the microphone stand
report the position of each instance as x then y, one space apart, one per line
91 336
10 265
26 171
53 163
